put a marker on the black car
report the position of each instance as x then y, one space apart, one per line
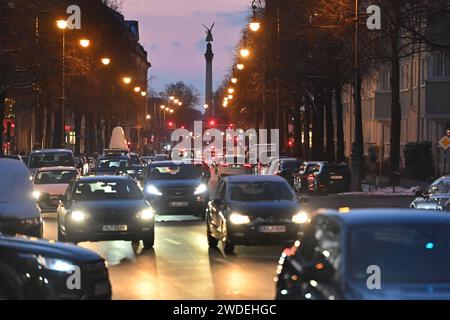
329 178
435 197
109 165
287 168
135 172
38 270
301 176
378 254
105 208
176 188
254 210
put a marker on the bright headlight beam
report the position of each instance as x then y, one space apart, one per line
237 218
36 194
147 214
153 190
78 216
301 218
56 264
201 189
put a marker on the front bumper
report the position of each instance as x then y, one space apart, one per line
93 230
252 234
192 205
27 227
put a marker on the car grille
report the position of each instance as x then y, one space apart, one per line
178 192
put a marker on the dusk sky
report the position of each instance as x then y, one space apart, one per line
172 33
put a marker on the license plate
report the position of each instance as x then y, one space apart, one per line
272 229
337 177
115 228
179 204
101 289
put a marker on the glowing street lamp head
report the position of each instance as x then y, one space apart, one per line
205 106
85 43
240 66
106 61
230 97
163 107
171 110
255 26
234 80
143 93
61 24
176 101
148 117
137 89
245 53
180 103
171 98
230 90
126 80
167 108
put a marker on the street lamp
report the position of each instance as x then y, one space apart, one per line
245 53
234 80
106 61
62 25
137 89
240 66
85 43
255 25
148 117
163 107
230 97
205 106
176 101
171 110
230 90
180 103
143 93
126 80
171 98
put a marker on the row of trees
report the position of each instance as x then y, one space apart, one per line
304 55
31 62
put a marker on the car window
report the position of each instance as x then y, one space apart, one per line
51 159
112 164
260 191
327 239
440 186
104 190
55 177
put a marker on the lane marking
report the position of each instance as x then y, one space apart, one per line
173 241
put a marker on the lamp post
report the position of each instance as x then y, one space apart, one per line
358 145
62 25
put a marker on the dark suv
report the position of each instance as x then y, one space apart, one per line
329 178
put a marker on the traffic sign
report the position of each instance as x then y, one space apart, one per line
445 143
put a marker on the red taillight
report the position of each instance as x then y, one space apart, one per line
247 165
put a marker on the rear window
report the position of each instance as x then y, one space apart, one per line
51 159
290 165
112 164
173 172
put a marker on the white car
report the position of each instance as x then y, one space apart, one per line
51 183
233 166
19 212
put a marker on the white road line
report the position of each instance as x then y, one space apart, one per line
173 241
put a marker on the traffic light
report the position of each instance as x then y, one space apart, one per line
170 124
231 126
212 123
291 143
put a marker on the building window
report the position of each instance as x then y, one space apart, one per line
71 138
384 82
437 64
404 77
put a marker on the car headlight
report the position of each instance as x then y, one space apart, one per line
301 218
153 190
36 194
147 214
237 218
56 264
78 216
201 189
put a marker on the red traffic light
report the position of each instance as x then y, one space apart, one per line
290 143
212 122
170 124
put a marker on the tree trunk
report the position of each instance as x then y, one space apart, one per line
2 114
58 129
396 112
318 127
297 133
340 155
306 129
77 122
330 148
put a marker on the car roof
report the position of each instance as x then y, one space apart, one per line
57 168
254 178
169 162
51 151
114 157
103 178
368 217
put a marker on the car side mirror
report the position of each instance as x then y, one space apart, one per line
320 270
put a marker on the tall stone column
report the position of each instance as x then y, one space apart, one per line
209 56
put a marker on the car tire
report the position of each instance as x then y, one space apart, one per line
149 242
212 242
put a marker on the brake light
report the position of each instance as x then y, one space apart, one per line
247 165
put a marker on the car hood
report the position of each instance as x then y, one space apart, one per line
263 209
19 210
52 189
182 183
48 248
110 206
401 292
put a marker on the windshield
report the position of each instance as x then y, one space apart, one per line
55 177
112 164
440 186
405 254
104 190
174 171
260 191
290 165
51 159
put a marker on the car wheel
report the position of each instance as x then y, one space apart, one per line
149 242
227 245
212 242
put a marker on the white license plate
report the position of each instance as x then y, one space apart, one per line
179 204
337 177
272 229
115 228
